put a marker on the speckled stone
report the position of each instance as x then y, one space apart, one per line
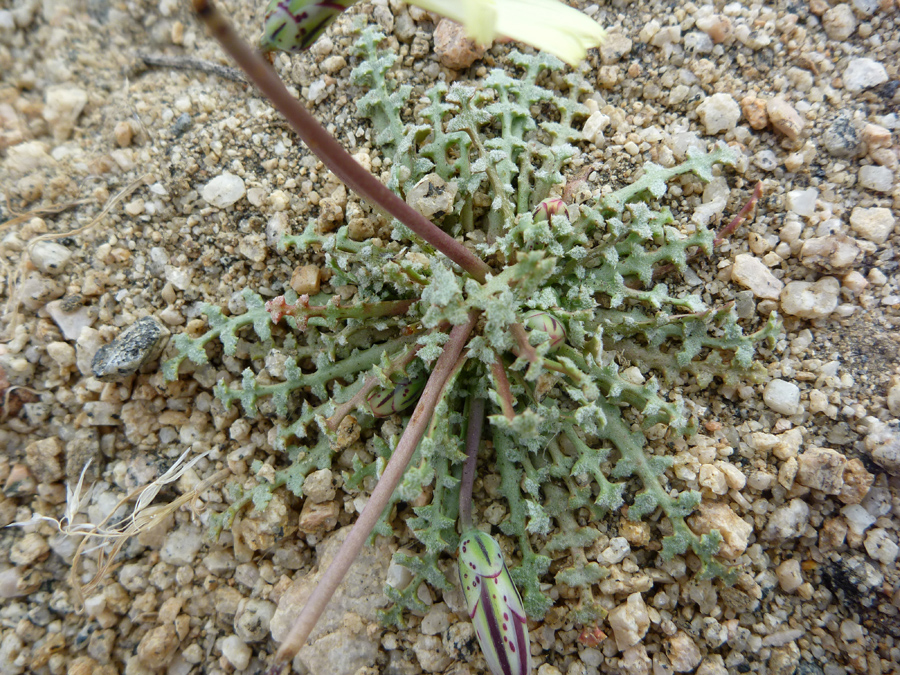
842 138
138 344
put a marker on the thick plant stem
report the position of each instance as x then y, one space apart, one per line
388 482
326 148
473 440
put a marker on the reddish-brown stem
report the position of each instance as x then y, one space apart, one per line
526 351
326 148
371 382
732 226
381 495
503 388
473 440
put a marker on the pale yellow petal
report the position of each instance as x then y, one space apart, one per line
481 20
550 26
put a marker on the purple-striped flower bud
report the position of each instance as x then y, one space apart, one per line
386 401
293 25
549 324
494 605
553 206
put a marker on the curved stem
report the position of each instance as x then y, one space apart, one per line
473 440
326 148
381 495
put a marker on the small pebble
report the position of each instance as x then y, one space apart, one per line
784 118
43 459
157 647
876 136
182 545
617 550
802 202
883 444
629 621
790 577
251 623
842 138
37 290
683 652
28 550
839 22
822 469
754 110
70 323
719 113
833 252
63 107
717 26
316 518
318 486
752 273
139 344
811 300
236 652
333 64
880 546
893 399
223 190
306 279
864 73
788 521
614 48
594 126
432 196
436 621
876 178
453 49
62 353
182 124
875 223
49 257
720 517
782 397
766 160
858 519
123 133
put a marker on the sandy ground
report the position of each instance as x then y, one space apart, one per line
808 92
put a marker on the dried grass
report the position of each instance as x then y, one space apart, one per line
108 538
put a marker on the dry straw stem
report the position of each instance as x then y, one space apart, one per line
143 517
12 303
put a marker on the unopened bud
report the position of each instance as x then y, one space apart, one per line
554 206
494 604
386 401
549 324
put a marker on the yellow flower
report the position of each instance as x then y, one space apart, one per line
548 25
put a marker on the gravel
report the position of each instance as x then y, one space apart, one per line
798 472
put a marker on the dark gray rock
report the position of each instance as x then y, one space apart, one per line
138 344
841 138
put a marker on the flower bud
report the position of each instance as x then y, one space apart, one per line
553 206
385 401
494 605
549 324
